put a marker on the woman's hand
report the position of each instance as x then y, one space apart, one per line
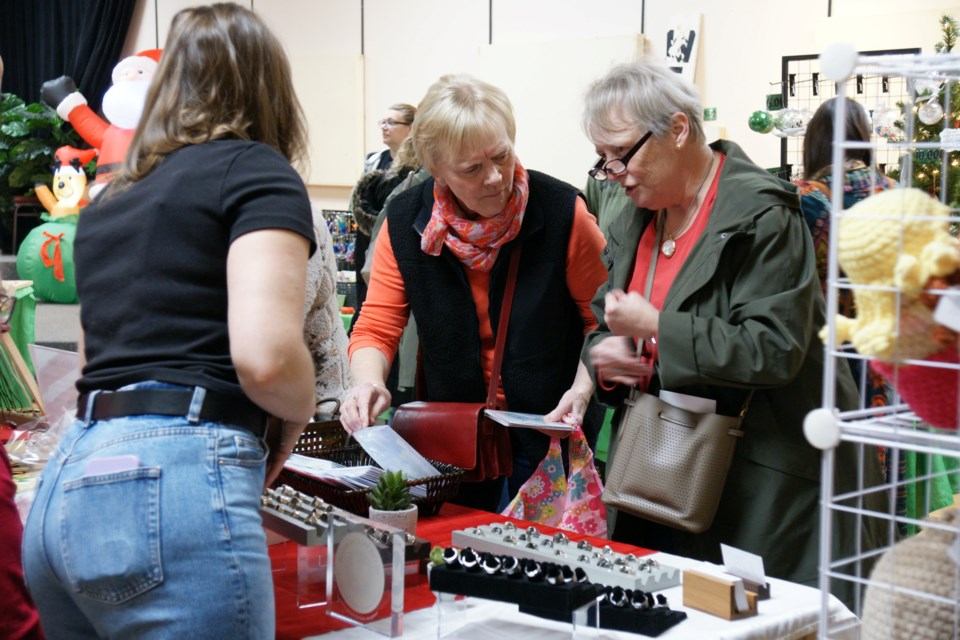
362 404
630 314
573 403
615 360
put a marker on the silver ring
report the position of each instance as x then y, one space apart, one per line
661 600
450 556
491 565
603 563
497 529
560 538
584 545
533 571
554 575
510 566
509 526
617 597
509 539
533 532
469 559
638 600
560 552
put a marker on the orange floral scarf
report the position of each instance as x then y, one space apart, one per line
476 243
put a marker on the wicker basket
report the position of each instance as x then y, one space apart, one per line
329 441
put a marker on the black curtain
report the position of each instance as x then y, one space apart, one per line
44 39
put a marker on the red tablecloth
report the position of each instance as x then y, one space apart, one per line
294 623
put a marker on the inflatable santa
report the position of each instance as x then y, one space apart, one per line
122 104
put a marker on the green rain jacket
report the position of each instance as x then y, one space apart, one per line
743 313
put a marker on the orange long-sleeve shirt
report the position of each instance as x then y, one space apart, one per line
386 309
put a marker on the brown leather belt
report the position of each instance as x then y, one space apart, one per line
216 407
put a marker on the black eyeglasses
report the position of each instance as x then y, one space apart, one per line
7 303
613 168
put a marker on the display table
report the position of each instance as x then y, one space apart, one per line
792 612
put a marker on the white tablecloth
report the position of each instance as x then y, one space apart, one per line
793 612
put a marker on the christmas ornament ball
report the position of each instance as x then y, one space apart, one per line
930 112
761 121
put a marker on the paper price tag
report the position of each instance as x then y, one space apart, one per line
950 138
947 312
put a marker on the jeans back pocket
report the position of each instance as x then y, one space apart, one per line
110 534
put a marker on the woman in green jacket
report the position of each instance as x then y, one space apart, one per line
735 305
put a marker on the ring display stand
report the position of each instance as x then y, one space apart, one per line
564 602
305 520
543 589
602 565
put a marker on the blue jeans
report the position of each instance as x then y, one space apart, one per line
170 547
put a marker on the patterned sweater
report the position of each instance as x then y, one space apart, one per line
322 327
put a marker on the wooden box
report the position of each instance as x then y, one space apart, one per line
714 595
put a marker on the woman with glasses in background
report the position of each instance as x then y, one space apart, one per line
443 253
712 292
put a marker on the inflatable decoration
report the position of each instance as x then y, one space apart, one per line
122 104
897 243
46 254
69 183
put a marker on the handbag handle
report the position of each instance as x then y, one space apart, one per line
502 327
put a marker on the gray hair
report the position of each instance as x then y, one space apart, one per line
644 94
459 114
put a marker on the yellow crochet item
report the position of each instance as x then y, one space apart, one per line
897 240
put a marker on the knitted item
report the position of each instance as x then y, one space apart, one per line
930 391
922 564
322 327
882 242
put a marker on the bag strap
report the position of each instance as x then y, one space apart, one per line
649 287
502 326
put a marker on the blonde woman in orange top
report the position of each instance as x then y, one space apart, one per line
444 256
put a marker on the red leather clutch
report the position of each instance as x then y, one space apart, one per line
456 433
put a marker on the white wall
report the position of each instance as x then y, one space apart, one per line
407 44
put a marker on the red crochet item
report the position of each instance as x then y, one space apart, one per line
930 391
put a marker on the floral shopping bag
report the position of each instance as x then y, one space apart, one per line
571 503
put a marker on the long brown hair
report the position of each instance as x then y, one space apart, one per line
818 140
222 74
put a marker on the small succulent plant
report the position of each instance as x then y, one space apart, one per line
391 492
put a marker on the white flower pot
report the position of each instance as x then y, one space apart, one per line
406 519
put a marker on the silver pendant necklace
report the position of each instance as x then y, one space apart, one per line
669 246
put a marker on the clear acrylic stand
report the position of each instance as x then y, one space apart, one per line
365 573
462 616
302 520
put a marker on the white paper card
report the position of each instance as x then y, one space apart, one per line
688 403
393 453
528 420
947 312
739 596
742 564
